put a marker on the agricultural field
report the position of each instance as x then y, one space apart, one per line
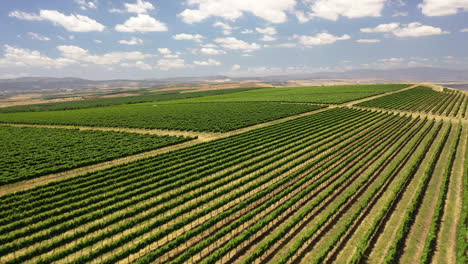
32 152
424 99
214 117
344 184
315 94
102 102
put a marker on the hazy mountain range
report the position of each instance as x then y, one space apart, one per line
395 75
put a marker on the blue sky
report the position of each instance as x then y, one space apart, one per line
135 39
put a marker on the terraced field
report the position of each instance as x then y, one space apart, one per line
337 185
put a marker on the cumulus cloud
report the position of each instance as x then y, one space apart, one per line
226 28
98 41
141 23
38 36
183 36
18 57
267 31
319 39
83 55
333 9
209 62
139 64
235 67
86 5
272 11
164 51
211 51
382 28
247 31
140 7
464 30
368 40
414 29
237 44
267 38
286 45
167 64
443 7
132 41
74 23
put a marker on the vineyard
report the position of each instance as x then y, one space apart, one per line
426 100
315 94
340 185
32 152
214 117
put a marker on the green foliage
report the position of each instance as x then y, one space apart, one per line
315 94
102 102
200 117
32 152
422 99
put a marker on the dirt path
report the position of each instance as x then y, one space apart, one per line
201 137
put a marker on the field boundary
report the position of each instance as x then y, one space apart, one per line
201 137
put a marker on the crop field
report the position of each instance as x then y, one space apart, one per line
215 117
315 94
344 184
424 99
102 102
32 152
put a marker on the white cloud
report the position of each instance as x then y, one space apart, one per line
414 29
235 67
98 41
333 9
25 16
167 64
368 40
18 57
247 31
183 36
382 28
267 31
140 7
227 29
132 41
38 36
267 38
164 51
286 45
464 30
85 5
319 39
75 23
443 7
211 51
208 45
139 64
80 54
237 44
172 56
209 62
272 11
400 14
141 23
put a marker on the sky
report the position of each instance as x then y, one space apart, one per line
146 39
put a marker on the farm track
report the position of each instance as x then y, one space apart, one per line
200 137
345 184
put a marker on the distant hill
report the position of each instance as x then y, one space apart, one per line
411 74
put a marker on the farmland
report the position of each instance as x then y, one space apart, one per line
336 184
314 94
213 117
426 100
33 152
